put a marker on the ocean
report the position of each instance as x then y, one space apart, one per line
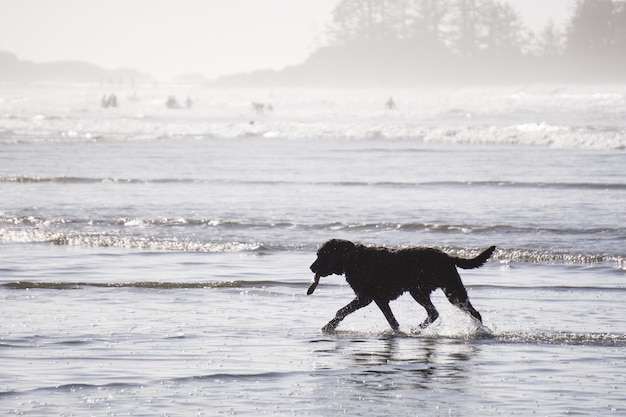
154 261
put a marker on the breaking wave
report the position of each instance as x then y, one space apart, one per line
521 134
480 334
562 338
547 115
25 179
156 285
224 235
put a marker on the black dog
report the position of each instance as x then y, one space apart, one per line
381 275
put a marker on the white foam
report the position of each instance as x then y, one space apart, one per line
556 116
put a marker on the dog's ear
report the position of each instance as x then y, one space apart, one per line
347 246
339 247
344 250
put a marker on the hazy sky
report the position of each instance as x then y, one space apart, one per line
168 38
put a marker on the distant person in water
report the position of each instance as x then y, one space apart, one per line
172 103
110 101
259 108
189 102
390 104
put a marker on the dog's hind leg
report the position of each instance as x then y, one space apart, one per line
424 300
354 305
384 307
457 295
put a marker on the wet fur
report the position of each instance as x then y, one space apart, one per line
381 275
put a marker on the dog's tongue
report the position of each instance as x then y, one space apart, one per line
316 281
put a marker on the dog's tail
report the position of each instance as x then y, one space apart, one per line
474 262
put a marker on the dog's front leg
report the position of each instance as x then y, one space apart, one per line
354 305
384 307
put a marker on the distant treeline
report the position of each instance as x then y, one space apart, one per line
16 71
422 41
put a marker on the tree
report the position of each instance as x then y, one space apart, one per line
596 39
619 31
476 39
427 20
590 31
550 42
368 20
504 30
463 31
485 27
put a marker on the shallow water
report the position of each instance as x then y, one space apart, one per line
157 264
170 348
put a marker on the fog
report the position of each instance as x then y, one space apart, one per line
165 39
333 42
405 42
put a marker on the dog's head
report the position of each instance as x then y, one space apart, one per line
331 258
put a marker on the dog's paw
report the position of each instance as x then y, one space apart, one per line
329 328
394 333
